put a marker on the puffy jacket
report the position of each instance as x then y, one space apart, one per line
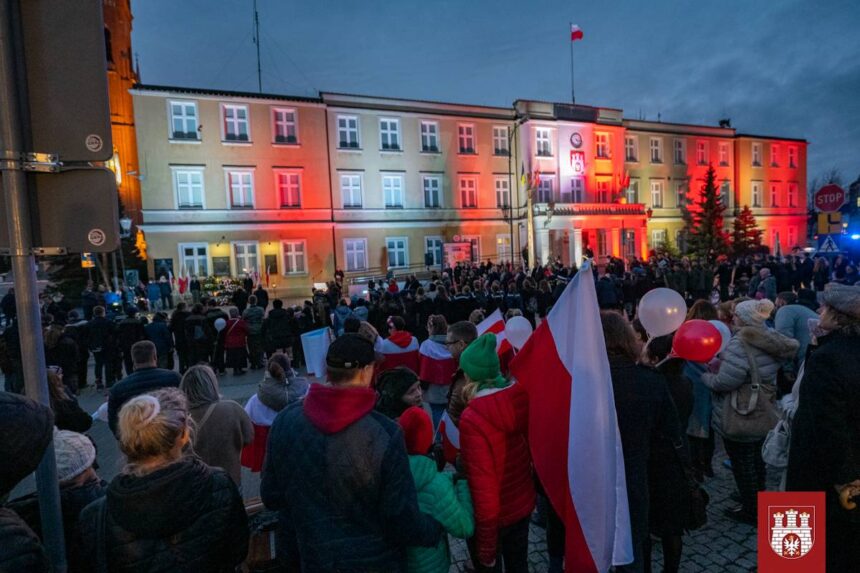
495 453
253 316
277 329
769 349
341 313
792 320
448 503
20 549
158 332
184 518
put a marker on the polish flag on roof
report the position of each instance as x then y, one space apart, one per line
573 429
575 33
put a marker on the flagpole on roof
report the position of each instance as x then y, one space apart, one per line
572 93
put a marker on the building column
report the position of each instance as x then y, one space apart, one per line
615 245
542 245
642 238
576 245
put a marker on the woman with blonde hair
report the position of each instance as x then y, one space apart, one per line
166 510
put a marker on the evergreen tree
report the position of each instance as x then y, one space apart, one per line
704 230
746 236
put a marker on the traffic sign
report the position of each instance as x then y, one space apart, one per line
829 223
829 198
828 244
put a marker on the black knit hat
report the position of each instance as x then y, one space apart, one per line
350 351
26 428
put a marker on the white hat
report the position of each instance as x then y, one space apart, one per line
754 312
842 298
75 453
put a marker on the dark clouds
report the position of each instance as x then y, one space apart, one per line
782 67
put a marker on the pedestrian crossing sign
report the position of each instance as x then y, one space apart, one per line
828 245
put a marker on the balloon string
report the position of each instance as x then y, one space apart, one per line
668 358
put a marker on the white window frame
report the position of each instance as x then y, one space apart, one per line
702 152
603 247
236 121
476 245
184 117
467 139
502 187
632 191
756 154
679 150
404 250
628 243
657 190
792 194
659 236
349 131
546 189
395 192
351 252
543 142
228 175
774 194
500 141
602 145
631 149
503 244
602 191
577 190
655 147
289 253
279 188
194 267
724 153
428 191
389 134
774 155
432 249
351 205
176 170
681 200
755 194
429 136
792 157
283 123
234 259
464 190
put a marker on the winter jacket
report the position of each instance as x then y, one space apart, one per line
159 333
186 517
278 394
769 349
130 330
792 320
219 441
20 548
64 351
236 333
277 329
699 424
253 317
177 327
141 381
495 453
68 415
607 294
262 297
341 313
339 474
447 502
153 292
101 334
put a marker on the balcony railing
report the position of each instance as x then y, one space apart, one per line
596 209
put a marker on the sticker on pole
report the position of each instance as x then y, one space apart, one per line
96 237
94 143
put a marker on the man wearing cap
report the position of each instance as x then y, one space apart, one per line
825 434
339 474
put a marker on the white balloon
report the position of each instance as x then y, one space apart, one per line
517 331
661 311
725 333
220 323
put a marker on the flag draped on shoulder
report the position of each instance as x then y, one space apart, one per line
573 429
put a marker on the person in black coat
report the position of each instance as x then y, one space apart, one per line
101 338
166 510
130 330
180 340
277 329
68 414
197 336
262 297
825 436
158 333
240 299
339 474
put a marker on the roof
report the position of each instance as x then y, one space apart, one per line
225 93
337 99
774 137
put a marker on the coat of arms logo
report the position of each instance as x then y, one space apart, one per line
791 530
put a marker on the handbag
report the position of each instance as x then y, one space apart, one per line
751 411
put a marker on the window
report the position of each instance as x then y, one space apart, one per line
756 154
432 191
631 149
350 190
476 246
602 191
681 195
602 146
681 240
347 132
628 243
724 154
241 188
792 157
503 193
245 256
503 248
289 188
286 126
545 189
774 155
397 252
702 152
792 194
430 136
469 192
236 122
392 191
680 147
543 142
433 246
188 186
356 254
576 193
602 243
195 258
500 140
792 237
183 120
294 257
656 194
466 137
658 237
632 192
389 134
756 193
656 150
774 195
726 193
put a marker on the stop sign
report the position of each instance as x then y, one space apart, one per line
829 198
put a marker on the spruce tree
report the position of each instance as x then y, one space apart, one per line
706 236
746 236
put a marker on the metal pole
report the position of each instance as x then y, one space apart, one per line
115 280
572 95
257 36
511 133
26 289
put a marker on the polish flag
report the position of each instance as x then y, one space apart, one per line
450 438
495 323
575 33
573 429
436 365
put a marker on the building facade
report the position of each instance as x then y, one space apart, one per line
295 188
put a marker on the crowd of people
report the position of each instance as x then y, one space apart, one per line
418 432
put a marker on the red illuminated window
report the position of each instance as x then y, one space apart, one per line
289 188
466 138
792 157
774 155
469 192
702 152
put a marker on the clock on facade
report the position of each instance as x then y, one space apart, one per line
576 140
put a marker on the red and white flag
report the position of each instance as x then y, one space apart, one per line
495 323
575 33
573 429
436 365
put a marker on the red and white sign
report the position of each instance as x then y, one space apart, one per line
829 198
577 161
791 532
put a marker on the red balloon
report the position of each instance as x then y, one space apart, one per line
697 341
